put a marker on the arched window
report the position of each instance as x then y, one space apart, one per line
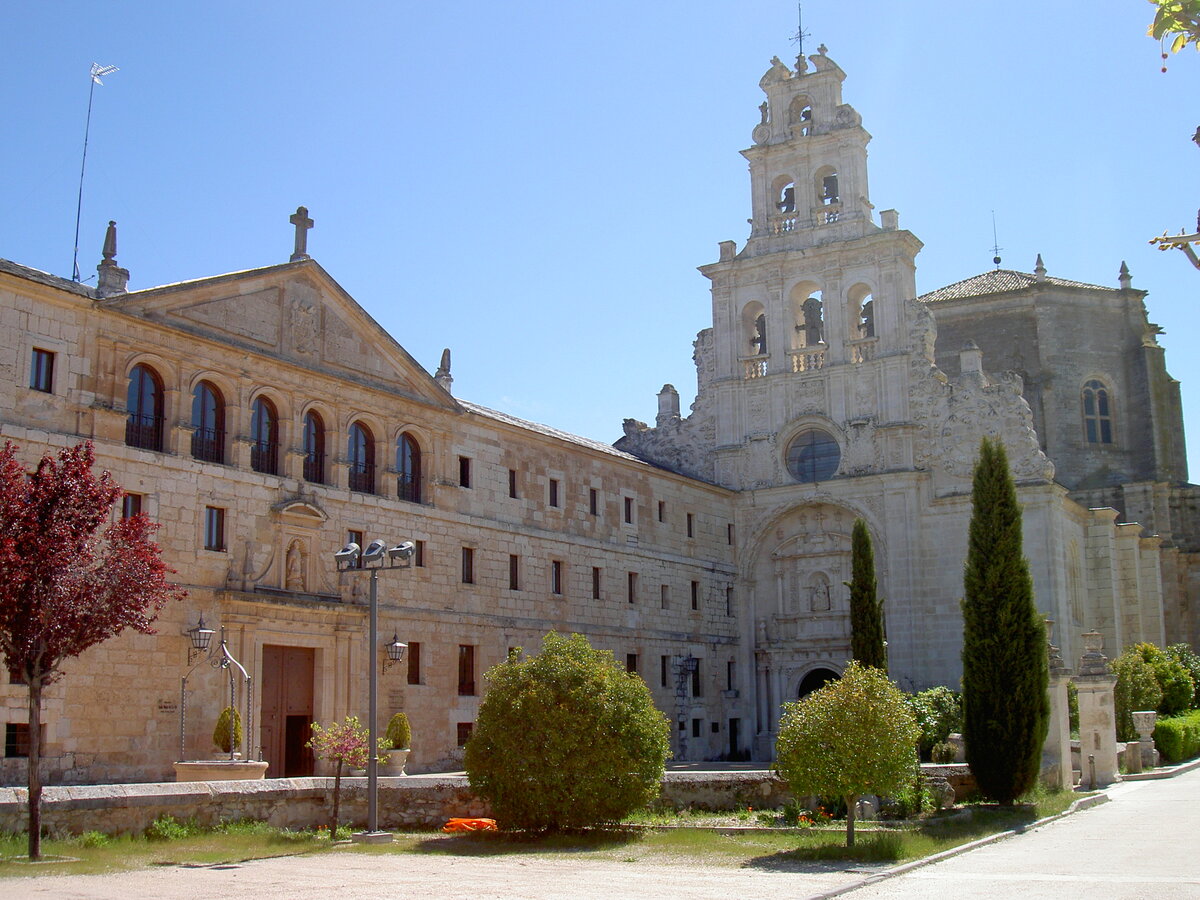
1097 413
408 468
208 423
144 401
314 448
813 455
264 437
361 456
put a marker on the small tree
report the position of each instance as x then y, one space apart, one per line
1006 707
227 733
344 744
67 582
939 712
866 610
566 738
1136 689
1186 657
853 737
399 732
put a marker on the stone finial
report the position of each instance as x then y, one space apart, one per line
889 220
112 279
970 359
1093 662
1124 278
302 222
668 405
1039 269
442 376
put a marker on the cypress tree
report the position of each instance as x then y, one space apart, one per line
866 612
1006 709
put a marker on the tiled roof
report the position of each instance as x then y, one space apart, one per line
999 281
548 431
46 278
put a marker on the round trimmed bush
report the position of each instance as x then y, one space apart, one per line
221 730
399 732
566 739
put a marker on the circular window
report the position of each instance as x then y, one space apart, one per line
813 456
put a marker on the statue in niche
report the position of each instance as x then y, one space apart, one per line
294 579
813 327
762 109
758 341
867 319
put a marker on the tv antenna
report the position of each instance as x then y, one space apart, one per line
98 71
801 34
996 248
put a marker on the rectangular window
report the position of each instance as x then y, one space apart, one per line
664 667
214 528
593 502
595 582
464 732
691 525
554 492
466 670
631 662
696 723
16 739
729 534
631 584
664 596
556 576
468 565
628 510
512 483
419 554
695 595
697 686
514 572
715 727
464 471
729 601
356 537
41 373
662 510
131 505
414 662
730 667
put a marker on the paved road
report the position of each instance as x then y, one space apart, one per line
1144 844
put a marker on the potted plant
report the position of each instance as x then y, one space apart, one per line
227 733
399 735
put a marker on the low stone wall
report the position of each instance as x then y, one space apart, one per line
411 802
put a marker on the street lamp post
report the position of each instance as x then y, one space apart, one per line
376 558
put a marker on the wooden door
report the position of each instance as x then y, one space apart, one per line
287 710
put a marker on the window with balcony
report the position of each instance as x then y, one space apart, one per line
264 437
144 404
360 455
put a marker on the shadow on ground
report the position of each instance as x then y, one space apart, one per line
484 843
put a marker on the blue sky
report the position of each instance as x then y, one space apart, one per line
533 184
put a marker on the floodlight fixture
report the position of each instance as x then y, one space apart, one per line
402 552
347 556
374 552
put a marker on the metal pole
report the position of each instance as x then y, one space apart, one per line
372 703
82 165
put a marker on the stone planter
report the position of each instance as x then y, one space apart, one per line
220 770
396 760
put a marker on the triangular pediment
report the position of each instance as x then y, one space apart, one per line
295 312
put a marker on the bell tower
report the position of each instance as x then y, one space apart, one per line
810 318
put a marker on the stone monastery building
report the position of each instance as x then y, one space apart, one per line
265 419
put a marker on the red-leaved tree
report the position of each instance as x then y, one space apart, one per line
67 582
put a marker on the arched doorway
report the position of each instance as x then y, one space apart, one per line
814 680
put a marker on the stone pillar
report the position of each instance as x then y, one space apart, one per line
1097 715
1056 752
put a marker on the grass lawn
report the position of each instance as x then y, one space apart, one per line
792 849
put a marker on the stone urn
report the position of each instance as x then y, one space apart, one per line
1143 721
396 761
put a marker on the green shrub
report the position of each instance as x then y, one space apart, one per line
942 752
94 839
1186 657
399 733
1136 689
1175 681
1178 737
168 828
939 712
566 739
221 730
1073 708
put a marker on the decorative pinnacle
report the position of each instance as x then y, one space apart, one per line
1124 278
1039 269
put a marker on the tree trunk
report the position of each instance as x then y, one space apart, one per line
851 809
35 774
337 796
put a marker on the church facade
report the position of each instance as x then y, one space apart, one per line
265 420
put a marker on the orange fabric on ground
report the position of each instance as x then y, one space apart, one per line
460 825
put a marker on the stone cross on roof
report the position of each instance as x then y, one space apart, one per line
302 222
